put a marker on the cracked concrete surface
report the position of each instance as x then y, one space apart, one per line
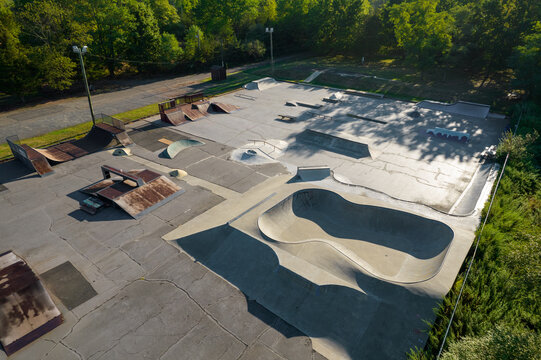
153 302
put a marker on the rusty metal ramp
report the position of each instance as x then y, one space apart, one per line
137 192
107 132
26 309
29 156
222 107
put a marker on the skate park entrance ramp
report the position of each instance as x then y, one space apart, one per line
459 108
26 310
137 192
388 244
335 142
107 132
261 84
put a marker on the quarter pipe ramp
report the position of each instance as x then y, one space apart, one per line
107 133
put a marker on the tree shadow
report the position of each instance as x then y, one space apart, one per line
402 129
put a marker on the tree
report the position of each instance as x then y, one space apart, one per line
423 33
165 13
498 344
170 51
526 61
111 24
340 22
19 75
48 29
143 38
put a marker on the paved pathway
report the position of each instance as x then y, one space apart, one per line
43 118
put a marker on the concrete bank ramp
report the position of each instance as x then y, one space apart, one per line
335 142
261 84
313 173
388 244
177 146
480 111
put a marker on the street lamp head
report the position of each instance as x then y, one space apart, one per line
75 49
269 30
85 48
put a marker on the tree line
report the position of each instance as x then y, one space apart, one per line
180 36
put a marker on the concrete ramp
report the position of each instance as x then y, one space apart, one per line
464 108
313 173
177 146
261 84
388 244
335 142
26 310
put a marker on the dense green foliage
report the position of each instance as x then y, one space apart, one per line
180 36
502 290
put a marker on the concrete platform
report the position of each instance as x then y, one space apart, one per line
219 287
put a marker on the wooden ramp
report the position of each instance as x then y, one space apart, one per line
107 133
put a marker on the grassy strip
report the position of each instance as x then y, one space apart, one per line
233 81
138 113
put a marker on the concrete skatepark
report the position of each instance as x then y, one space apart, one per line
258 262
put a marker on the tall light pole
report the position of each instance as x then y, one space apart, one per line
81 52
270 31
198 41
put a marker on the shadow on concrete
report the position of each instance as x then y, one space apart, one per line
106 214
382 323
401 128
14 170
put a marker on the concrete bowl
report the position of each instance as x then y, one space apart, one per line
386 243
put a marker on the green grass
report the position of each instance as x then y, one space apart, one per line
138 113
232 82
